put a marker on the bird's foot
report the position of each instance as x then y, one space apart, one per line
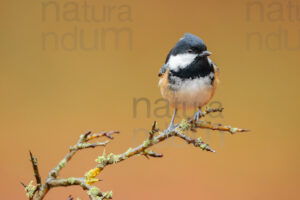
197 116
171 128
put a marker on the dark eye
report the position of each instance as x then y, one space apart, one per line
190 51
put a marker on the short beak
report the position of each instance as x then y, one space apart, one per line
205 53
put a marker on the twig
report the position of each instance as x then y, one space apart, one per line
81 144
23 184
196 142
39 192
152 154
221 128
108 135
35 169
153 130
52 181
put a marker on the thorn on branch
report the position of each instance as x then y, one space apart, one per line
155 155
152 154
23 184
35 169
85 136
109 134
153 130
39 191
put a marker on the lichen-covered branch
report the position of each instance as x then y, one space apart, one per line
82 144
35 169
39 191
156 136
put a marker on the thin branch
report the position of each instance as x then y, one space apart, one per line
39 192
23 184
221 128
196 142
88 145
178 131
153 130
108 135
152 154
64 182
35 169
93 191
81 144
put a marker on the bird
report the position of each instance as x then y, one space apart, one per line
188 78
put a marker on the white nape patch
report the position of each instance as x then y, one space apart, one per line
180 61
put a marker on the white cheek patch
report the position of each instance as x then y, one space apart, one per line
180 61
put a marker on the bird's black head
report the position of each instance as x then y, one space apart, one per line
192 44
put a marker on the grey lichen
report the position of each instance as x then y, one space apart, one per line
155 140
101 159
107 195
62 163
146 143
85 182
184 125
233 130
30 189
127 153
112 158
83 145
199 140
82 137
71 180
203 146
93 191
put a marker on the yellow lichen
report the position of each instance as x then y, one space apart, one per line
90 176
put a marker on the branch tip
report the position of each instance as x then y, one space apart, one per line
87 134
23 184
35 169
39 191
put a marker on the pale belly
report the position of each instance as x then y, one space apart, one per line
189 93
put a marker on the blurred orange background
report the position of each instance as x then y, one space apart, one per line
50 95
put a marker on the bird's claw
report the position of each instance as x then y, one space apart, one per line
197 116
171 128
